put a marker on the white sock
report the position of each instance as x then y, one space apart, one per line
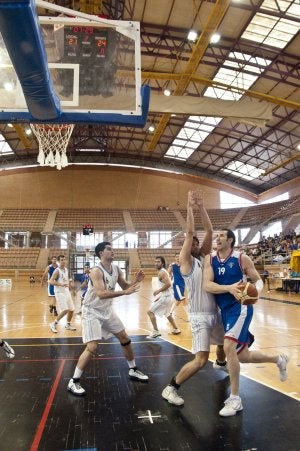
77 373
131 363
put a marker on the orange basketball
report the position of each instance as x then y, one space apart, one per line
249 293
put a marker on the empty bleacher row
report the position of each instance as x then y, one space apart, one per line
25 257
147 256
102 220
19 220
148 220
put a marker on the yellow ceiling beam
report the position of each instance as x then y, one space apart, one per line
281 165
214 19
22 136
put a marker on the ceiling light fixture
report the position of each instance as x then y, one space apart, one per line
215 38
192 36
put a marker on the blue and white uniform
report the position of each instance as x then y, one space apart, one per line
84 278
99 319
236 317
178 282
204 315
51 270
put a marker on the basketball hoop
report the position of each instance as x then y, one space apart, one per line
53 140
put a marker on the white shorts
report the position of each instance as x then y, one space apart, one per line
95 328
162 306
207 330
64 301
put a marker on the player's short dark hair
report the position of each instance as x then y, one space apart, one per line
196 239
100 247
230 234
162 259
53 256
60 256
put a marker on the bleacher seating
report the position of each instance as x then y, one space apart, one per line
19 257
149 220
147 256
21 220
219 218
102 220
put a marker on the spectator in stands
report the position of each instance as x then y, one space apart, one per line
205 317
163 299
98 317
65 305
48 273
10 353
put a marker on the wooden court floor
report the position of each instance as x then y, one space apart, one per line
24 313
24 322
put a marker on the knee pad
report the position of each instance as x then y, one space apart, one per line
127 343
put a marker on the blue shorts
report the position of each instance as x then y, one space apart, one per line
236 321
178 292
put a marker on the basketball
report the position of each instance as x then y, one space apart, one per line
249 294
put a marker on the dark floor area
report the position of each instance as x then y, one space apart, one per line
118 414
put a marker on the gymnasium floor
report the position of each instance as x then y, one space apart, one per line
37 412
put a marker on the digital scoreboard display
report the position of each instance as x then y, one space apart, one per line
82 43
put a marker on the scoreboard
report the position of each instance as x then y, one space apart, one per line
87 229
85 43
93 48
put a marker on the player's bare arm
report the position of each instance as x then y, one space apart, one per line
165 279
185 258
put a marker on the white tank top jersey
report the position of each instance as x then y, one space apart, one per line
110 281
63 277
199 300
169 291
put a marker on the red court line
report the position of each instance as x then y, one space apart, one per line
41 426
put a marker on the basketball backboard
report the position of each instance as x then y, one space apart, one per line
92 66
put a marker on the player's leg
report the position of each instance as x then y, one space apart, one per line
125 341
281 360
84 359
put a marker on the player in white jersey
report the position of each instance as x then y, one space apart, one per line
64 301
204 314
98 317
162 304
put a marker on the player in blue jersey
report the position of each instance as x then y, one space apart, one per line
224 271
49 270
84 283
178 283
204 315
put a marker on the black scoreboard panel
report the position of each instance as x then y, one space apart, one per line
87 45
94 50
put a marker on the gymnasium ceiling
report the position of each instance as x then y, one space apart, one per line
256 58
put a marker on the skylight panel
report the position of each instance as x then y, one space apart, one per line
179 153
290 7
242 170
5 148
273 31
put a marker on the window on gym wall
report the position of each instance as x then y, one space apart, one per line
160 238
122 240
88 241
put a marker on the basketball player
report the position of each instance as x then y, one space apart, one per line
65 305
163 303
98 317
178 283
224 270
48 273
10 353
84 284
204 314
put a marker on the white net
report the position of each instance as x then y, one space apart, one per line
53 140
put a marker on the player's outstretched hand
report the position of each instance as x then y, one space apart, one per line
139 275
132 289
